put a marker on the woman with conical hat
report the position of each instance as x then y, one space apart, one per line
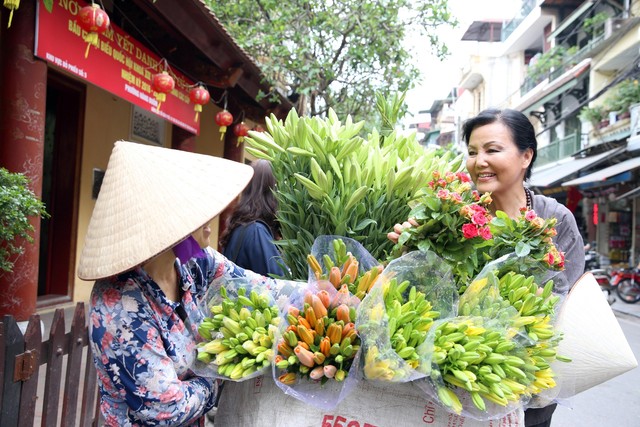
144 312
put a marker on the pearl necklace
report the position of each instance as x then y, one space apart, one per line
527 194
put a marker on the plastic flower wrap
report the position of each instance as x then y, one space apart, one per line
239 331
395 317
453 221
343 261
498 353
477 368
317 350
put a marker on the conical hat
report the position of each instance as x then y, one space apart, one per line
592 338
151 198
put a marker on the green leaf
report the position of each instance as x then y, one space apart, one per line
522 249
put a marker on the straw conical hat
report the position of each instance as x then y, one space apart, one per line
592 338
151 198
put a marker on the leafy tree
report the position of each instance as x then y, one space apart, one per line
17 204
335 54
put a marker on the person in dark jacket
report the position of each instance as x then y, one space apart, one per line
248 239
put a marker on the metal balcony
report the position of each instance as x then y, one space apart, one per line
509 27
558 149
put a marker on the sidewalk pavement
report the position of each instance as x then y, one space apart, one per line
622 307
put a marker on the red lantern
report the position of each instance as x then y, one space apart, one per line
223 119
199 96
93 21
163 83
241 130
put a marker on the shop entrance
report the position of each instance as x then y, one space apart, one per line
60 186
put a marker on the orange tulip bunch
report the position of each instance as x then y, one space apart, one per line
320 341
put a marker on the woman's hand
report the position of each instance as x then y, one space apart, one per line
399 228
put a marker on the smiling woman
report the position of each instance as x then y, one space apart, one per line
502 148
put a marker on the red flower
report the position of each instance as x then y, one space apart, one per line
561 263
530 215
485 233
469 231
479 218
463 177
549 258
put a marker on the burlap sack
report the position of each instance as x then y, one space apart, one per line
260 403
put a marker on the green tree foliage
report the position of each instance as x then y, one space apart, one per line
17 204
335 54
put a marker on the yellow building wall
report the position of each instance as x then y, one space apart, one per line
107 120
600 79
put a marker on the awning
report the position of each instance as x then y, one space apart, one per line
551 174
605 173
633 193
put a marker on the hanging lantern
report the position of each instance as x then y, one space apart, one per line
199 95
94 21
223 119
240 130
163 83
11 5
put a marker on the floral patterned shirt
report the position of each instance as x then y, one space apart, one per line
144 345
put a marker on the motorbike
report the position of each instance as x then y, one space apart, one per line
627 284
591 260
603 278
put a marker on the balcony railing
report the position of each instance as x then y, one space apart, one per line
509 27
558 149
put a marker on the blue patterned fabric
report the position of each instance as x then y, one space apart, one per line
143 349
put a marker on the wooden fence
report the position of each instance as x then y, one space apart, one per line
68 399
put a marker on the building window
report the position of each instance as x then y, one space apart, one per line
147 127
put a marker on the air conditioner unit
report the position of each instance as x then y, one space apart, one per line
612 25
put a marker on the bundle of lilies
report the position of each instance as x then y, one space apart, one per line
320 341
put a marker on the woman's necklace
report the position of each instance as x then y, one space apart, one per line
527 194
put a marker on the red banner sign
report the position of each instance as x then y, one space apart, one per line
120 65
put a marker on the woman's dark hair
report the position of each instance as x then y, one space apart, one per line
257 202
521 129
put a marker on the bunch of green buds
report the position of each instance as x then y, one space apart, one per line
238 338
480 360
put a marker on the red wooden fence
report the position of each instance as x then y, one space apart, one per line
68 399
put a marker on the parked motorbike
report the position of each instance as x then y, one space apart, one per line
603 278
627 284
591 260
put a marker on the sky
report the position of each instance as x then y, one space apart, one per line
439 77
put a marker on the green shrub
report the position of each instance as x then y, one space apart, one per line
17 204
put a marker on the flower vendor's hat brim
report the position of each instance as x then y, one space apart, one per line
592 338
152 198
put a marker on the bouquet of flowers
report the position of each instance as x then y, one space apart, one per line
395 317
454 222
318 348
239 332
